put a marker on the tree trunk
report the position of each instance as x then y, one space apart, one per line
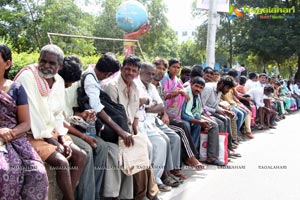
297 75
291 71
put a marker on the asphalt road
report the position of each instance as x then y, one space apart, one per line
268 169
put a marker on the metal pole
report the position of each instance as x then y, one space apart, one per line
96 38
211 33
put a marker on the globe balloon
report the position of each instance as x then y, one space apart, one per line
131 15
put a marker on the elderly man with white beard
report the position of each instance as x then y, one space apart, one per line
45 89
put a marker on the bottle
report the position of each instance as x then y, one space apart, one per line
91 129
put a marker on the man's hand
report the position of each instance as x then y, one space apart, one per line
67 152
67 149
165 119
59 147
89 114
205 125
144 101
221 112
127 138
90 140
229 114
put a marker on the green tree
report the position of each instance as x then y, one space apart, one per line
67 18
190 53
16 21
106 26
273 41
161 39
256 41
28 21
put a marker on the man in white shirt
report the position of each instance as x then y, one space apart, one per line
252 82
258 95
166 143
262 79
45 90
296 92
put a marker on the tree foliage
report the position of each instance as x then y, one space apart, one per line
250 40
27 22
105 26
258 43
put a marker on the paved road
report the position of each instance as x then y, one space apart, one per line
255 176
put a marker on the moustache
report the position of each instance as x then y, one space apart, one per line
129 76
46 71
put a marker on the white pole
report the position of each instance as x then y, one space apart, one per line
211 33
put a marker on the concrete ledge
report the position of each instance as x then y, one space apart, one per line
54 191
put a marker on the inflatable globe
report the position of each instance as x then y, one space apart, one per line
131 15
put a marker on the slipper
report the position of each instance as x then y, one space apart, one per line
260 127
235 142
233 154
249 135
272 127
178 173
169 181
179 180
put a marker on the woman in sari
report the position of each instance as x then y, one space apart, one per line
22 173
291 104
175 94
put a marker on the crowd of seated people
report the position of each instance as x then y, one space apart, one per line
169 105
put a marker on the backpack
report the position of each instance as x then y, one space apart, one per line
116 112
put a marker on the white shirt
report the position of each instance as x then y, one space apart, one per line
71 99
257 95
251 84
292 88
152 94
92 88
46 112
296 89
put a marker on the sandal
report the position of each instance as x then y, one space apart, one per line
260 127
179 180
178 173
249 135
233 154
169 181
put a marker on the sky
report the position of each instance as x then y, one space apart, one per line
180 12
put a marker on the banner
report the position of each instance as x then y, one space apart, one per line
223 5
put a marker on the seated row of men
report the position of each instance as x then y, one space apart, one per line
169 113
